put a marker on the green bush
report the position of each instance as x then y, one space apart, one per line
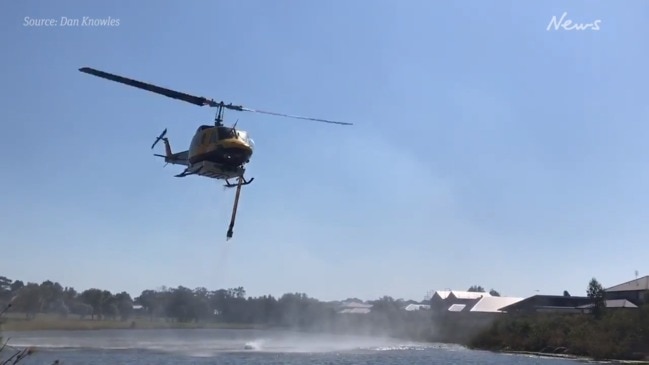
618 334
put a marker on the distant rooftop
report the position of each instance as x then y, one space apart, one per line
355 305
414 307
468 294
548 301
459 294
613 303
633 285
456 307
493 304
443 294
355 310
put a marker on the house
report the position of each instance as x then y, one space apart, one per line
458 307
491 304
469 313
439 296
635 291
613 303
455 300
548 303
416 307
460 301
139 310
354 307
486 304
466 295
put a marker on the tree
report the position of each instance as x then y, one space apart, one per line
16 285
28 300
5 283
82 309
148 300
476 288
385 304
50 294
124 305
596 292
94 298
5 288
494 293
182 305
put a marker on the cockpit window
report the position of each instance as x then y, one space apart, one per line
244 136
225 133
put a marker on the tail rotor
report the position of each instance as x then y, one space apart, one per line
160 137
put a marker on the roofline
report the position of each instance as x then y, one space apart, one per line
628 282
557 296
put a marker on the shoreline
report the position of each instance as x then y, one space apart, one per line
15 325
550 355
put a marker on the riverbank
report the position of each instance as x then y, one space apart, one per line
548 355
40 324
619 335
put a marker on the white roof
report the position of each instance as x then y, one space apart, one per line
443 294
355 310
356 305
456 307
493 304
633 285
415 307
459 294
468 294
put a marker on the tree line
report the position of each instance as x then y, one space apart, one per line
180 304
227 306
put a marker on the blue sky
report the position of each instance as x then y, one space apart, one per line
486 150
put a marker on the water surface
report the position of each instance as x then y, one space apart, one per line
246 347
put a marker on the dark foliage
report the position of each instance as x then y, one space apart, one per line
227 306
621 334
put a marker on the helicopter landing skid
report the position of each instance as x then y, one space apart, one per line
241 182
188 172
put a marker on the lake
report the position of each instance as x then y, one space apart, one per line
245 347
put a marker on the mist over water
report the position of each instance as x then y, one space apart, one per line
247 347
205 342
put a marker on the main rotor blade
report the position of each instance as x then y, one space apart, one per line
293 116
196 100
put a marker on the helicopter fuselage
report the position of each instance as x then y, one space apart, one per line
221 145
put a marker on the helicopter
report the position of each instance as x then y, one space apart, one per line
215 151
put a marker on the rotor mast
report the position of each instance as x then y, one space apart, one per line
218 119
